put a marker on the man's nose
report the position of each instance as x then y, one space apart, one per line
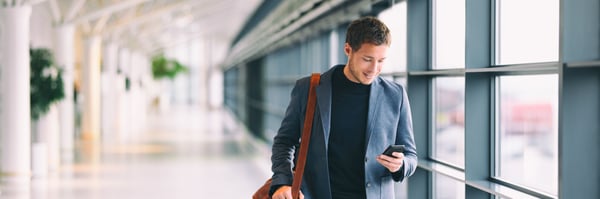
374 66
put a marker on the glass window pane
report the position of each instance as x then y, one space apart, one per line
395 19
449 120
449 34
398 79
448 188
401 190
401 81
527 139
524 37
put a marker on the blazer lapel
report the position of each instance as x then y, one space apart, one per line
373 109
324 103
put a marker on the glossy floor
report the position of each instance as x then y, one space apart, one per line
181 153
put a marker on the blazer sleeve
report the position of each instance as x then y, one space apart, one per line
405 136
288 136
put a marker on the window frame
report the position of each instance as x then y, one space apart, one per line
494 142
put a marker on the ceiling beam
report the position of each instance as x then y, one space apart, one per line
150 15
116 7
100 24
34 2
55 10
86 28
75 7
199 18
128 15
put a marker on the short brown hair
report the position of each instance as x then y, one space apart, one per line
367 30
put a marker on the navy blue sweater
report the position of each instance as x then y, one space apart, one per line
346 151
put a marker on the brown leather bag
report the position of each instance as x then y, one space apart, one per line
263 191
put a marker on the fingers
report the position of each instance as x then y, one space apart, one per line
398 157
284 192
283 196
393 164
286 196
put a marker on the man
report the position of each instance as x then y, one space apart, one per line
358 115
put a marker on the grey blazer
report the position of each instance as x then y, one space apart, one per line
389 122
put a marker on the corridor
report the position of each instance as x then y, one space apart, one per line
128 99
185 152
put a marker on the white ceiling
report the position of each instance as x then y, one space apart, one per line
152 25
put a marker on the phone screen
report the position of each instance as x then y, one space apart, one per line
393 148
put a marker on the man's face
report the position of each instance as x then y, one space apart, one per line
364 65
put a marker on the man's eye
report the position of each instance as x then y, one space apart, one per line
367 60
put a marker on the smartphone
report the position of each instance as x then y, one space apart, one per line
393 148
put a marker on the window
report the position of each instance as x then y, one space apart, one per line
527 131
449 122
401 81
447 188
449 34
395 19
524 37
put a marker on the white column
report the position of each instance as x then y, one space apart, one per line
122 95
15 120
90 121
136 100
109 92
64 53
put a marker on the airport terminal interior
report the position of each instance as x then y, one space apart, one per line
182 98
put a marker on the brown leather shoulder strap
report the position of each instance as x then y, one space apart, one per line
306 131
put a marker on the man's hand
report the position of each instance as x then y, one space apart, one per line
393 164
285 192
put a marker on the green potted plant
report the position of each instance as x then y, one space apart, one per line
165 70
163 67
46 88
45 81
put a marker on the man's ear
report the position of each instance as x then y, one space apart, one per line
347 49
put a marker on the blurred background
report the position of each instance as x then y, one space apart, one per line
181 98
